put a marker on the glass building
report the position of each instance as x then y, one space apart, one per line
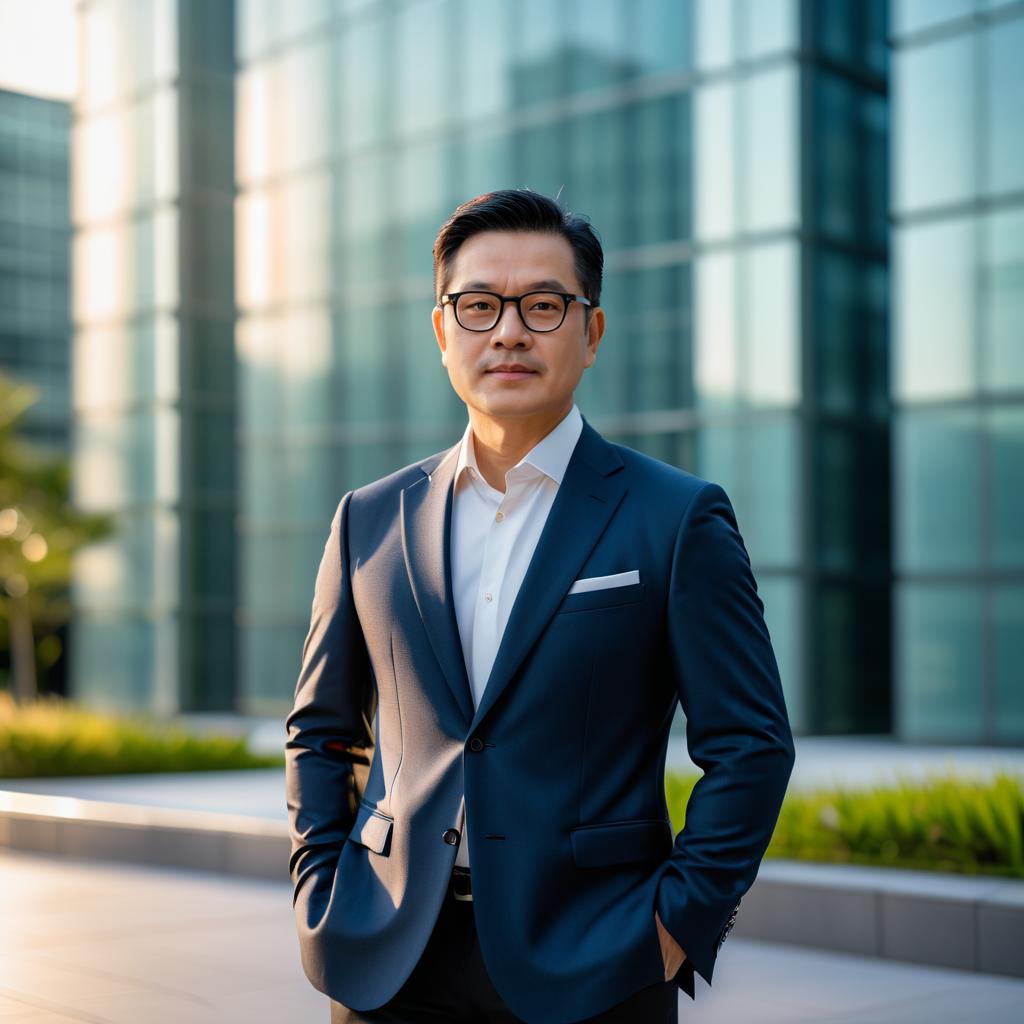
35 228
958 369
734 156
153 356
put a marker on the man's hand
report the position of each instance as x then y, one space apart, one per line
671 952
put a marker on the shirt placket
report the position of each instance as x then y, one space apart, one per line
497 549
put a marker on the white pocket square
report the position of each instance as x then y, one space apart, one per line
618 579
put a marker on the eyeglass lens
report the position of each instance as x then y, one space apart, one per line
480 311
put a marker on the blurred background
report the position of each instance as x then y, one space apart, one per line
216 222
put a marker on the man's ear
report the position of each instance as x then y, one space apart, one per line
595 331
437 320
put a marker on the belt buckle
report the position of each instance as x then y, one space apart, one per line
466 896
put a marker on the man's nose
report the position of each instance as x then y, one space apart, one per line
510 326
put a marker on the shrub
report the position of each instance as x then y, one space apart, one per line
51 737
941 823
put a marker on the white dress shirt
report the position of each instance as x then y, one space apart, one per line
493 537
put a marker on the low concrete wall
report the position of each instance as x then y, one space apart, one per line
970 923
198 840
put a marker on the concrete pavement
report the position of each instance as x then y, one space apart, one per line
82 941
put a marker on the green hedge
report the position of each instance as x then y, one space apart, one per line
942 823
939 823
54 737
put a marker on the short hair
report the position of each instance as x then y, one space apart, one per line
520 209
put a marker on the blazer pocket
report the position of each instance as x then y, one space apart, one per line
372 829
605 597
621 842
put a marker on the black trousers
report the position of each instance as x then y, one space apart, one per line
450 983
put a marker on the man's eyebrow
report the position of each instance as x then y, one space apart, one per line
548 284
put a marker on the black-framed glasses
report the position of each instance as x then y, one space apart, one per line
539 311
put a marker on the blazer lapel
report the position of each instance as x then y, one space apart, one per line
426 543
587 498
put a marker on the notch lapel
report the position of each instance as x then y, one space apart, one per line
587 498
426 543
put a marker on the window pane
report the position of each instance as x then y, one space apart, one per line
933 354
1002 285
715 212
766 26
284 250
658 342
757 464
716 343
422 205
938 484
484 29
365 220
767 510
305 363
263 24
595 54
427 395
365 61
1006 431
125 46
771 329
659 133
715 23
126 158
661 35
782 615
365 369
538 67
1004 45
422 99
284 111
939 638
934 144
768 167
1008 605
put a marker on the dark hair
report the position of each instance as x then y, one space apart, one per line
520 209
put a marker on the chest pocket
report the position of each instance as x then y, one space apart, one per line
606 597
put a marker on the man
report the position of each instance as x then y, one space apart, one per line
527 607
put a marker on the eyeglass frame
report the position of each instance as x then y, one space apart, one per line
568 297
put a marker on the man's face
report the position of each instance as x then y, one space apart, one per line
511 263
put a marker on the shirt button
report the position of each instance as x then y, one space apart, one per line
499 516
487 597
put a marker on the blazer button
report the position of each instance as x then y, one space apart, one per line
451 836
476 743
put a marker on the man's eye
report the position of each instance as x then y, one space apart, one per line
481 304
542 305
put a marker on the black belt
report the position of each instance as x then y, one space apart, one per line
461 884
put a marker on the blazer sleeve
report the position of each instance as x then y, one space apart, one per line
737 731
327 715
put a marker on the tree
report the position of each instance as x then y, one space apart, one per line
39 533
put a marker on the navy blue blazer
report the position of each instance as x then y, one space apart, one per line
562 763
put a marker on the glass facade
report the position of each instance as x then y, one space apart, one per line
735 158
153 354
958 378
35 226
685 130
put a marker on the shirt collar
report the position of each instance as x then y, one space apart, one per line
550 454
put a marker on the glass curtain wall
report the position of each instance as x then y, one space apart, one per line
35 226
958 370
152 359
681 127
